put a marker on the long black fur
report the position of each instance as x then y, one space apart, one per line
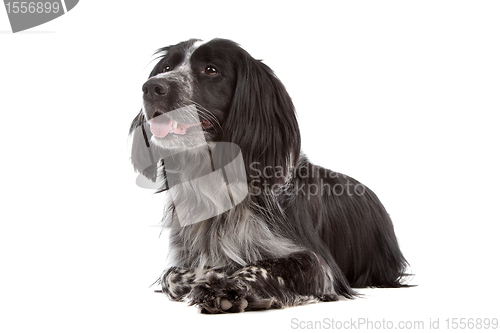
326 232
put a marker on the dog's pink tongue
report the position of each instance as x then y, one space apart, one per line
160 126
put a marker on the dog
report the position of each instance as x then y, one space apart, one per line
253 224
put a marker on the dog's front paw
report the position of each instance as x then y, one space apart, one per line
177 282
218 293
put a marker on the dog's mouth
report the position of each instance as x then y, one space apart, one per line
163 126
178 123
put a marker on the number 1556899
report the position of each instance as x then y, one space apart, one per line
32 7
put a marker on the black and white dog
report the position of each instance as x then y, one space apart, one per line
294 233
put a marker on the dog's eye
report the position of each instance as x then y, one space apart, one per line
166 68
211 71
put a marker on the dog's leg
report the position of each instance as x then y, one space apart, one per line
177 282
268 284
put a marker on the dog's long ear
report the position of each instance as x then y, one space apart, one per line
262 121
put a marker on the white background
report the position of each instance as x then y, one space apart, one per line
403 96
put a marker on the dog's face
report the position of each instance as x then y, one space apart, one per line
215 91
189 92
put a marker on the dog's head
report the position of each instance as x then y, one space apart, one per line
216 92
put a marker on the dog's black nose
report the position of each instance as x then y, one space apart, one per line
154 89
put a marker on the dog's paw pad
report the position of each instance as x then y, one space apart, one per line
219 295
225 304
244 303
236 305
